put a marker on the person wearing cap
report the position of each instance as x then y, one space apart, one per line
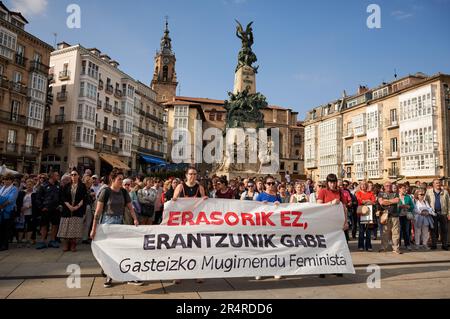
8 197
331 194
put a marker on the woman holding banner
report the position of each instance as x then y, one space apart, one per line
269 195
331 194
190 189
110 209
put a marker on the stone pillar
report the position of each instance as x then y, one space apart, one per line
245 78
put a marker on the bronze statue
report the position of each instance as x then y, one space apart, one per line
246 55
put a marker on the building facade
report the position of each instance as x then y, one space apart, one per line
24 65
92 119
396 131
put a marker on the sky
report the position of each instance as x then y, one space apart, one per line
308 51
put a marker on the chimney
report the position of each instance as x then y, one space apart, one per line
362 89
62 45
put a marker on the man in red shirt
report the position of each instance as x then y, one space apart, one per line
332 195
365 197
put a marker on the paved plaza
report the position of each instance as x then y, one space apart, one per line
30 273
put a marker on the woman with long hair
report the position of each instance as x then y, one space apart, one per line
73 197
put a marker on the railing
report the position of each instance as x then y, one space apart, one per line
12 148
117 111
108 107
390 124
109 89
98 125
117 93
115 149
100 85
393 155
116 130
155 118
103 147
64 75
58 142
99 104
59 119
30 150
149 133
394 172
151 152
13 117
18 87
39 67
20 60
4 83
61 96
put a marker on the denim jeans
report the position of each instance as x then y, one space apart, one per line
365 237
405 231
112 220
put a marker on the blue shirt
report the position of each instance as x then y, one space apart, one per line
264 197
8 196
437 202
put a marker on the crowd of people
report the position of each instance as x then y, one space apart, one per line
49 211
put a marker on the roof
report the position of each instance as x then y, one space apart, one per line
200 100
2 5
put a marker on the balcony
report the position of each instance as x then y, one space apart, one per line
13 118
45 143
107 128
61 96
100 85
4 83
347 161
115 149
12 148
64 75
118 93
150 152
108 108
20 60
109 89
154 118
360 131
149 133
58 141
30 150
99 104
117 111
103 147
394 156
394 172
18 87
391 124
311 164
98 125
59 119
36 66
347 134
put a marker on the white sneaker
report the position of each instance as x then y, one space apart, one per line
277 277
409 248
258 277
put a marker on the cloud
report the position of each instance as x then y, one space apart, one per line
401 15
29 8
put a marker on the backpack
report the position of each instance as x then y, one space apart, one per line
108 191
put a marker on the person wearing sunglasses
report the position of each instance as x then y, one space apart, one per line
269 195
250 193
423 220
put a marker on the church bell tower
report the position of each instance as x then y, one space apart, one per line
164 81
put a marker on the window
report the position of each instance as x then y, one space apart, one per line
393 116
297 140
29 139
12 136
88 90
211 116
78 134
80 111
15 109
36 114
17 78
38 86
394 145
181 110
295 167
358 124
8 42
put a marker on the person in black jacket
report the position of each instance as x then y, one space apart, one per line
74 198
49 203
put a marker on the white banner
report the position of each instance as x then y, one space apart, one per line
218 238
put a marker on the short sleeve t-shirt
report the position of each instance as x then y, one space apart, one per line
117 202
393 211
264 197
327 195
